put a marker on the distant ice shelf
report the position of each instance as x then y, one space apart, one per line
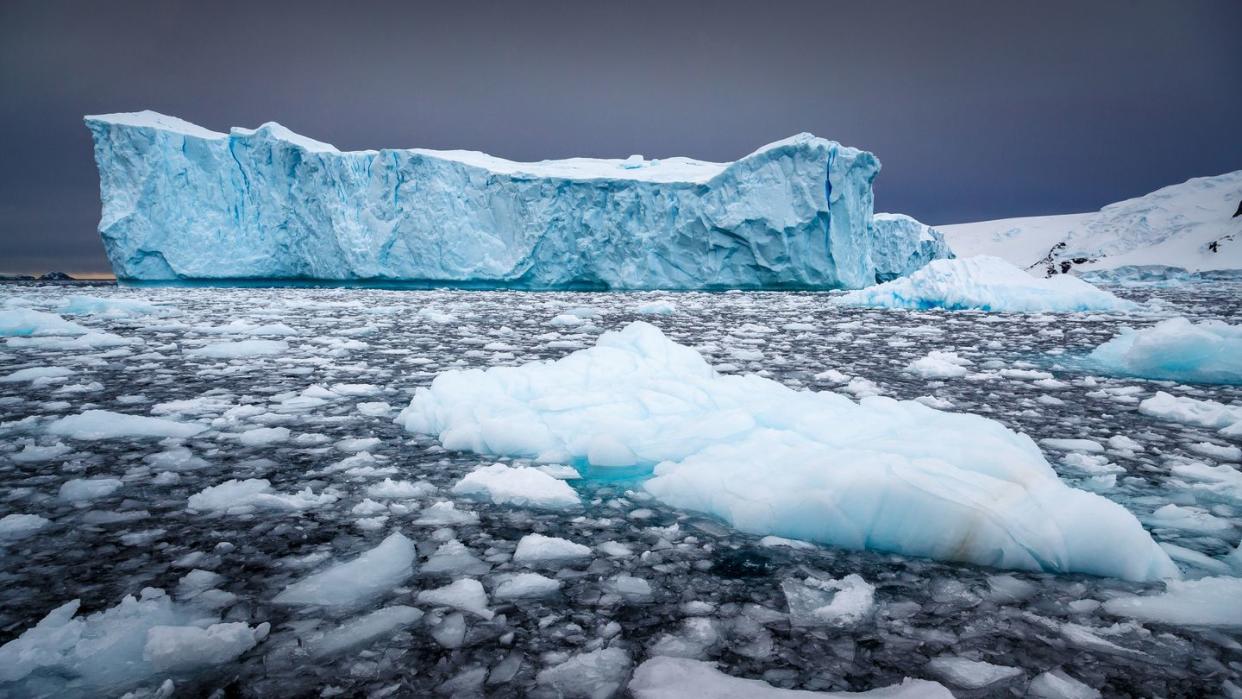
183 203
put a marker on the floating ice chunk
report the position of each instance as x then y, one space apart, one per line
939 365
20 526
453 558
354 445
181 648
451 631
1177 350
1202 413
105 424
696 637
240 349
400 490
466 594
656 308
175 459
377 408
446 514
537 548
522 486
32 453
263 436
363 631
245 327
526 586
111 307
86 489
882 474
1055 684
241 496
1217 451
565 320
37 373
970 674
1081 445
594 675
630 588
615 549
1203 602
1191 519
841 602
676 678
987 284
356 582
24 322
107 652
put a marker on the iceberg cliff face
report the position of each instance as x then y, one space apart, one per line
183 202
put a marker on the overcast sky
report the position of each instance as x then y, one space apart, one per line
977 110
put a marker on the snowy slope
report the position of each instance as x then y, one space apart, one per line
183 202
1175 226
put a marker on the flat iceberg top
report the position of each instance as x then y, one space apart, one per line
881 474
988 284
154 120
635 167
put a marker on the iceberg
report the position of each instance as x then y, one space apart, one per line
1176 350
878 474
986 284
181 202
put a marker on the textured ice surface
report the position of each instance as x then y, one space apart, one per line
1176 349
22 322
674 678
987 284
188 203
694 566
103 653
105 424
879 474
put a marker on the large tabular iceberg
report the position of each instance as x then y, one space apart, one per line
987 284
1175 349
879 474
183 202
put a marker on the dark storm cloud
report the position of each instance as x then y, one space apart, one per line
977 109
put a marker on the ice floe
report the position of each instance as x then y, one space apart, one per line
987 284
881 474
1177 350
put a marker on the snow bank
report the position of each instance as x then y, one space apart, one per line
880 474
987 284
522 486
105 424
356 582
676 678
1177 350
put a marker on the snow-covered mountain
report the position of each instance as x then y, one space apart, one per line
1192 225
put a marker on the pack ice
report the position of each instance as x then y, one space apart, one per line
987 284
183 202
879 474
